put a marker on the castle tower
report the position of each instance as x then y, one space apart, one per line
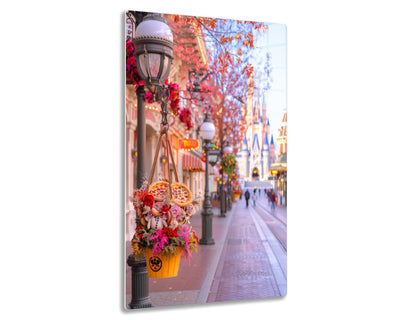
282 140
266 158
250 109
272 148
255 158
243 159
265 120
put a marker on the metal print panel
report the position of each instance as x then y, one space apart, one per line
206 160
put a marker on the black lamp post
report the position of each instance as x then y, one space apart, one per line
207 132
153 50
229 200
285 189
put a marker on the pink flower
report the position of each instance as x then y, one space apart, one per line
148 96
184 234
159 241
190 210
176 212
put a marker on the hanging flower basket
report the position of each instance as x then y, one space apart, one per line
164 234
163 265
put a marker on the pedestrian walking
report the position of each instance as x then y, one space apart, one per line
247 196
254 199
272 200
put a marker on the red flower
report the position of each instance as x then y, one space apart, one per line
170 233
131 61
165 209
129 47
148 200
195 236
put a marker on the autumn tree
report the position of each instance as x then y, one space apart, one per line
230 45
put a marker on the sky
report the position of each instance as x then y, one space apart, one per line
275 41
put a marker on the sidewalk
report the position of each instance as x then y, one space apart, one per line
248 267
217 272
194 279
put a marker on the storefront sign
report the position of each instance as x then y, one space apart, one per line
190 144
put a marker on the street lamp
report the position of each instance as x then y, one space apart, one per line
153 50
274 174
285 189
207 132
228 149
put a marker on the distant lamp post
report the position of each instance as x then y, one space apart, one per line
207 132
228 149
153 50
274 173
285 189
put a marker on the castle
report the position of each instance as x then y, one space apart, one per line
257 151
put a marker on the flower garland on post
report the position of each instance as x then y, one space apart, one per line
132 73
228 164
185 117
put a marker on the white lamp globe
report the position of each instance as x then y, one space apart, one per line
228 150
153 43
207 130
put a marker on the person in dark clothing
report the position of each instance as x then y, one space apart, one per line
247 196
272 200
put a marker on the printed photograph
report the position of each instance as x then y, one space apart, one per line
205 160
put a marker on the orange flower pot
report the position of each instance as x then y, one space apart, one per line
163 266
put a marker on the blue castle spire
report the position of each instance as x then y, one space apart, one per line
245 144
266 143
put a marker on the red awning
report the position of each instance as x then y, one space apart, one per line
192 163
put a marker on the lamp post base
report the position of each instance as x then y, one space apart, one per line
223 204
206 238
140 284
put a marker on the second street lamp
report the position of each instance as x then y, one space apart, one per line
207 132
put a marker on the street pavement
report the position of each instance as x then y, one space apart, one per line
247 261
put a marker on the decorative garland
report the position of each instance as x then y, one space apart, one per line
185 117
228 163
131 69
